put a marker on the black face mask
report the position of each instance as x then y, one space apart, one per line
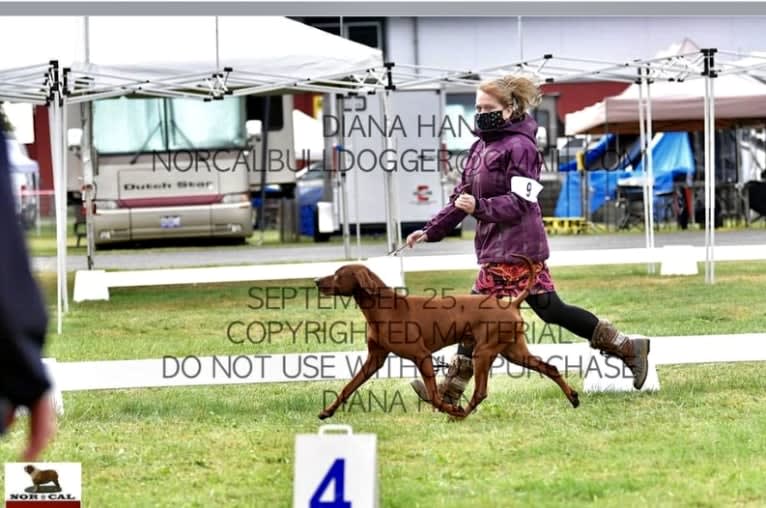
490 120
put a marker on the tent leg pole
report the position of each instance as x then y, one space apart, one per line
64 208
390 204
53 126
712 180
650 172
644 149
707 178
86 118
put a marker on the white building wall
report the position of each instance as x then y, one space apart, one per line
473 43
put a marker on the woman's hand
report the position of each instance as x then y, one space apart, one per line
416 237
42 427
466 202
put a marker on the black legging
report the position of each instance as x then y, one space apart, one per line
550 308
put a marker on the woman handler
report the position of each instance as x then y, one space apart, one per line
499 188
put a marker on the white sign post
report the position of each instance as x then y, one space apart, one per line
336 470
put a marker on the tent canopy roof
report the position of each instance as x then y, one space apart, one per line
739 99
205 55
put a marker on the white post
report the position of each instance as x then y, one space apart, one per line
62 141
707 178
709 166
53 123
391 234
650 168
712 178
644 148
86 159
343 186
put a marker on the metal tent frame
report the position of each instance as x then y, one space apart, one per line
59 86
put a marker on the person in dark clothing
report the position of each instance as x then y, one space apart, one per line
499 188
23 324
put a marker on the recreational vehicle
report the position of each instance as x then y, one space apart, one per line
179 167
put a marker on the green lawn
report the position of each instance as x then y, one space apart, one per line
698 442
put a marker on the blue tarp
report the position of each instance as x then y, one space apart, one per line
602 184
672 155
591 156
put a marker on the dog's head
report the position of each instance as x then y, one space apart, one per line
29 469
350 279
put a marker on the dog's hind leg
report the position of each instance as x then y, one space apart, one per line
376 357
425 365
520 355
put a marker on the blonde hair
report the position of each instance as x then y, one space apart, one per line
516 91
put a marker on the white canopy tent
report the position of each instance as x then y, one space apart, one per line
84 59
209 58
684 102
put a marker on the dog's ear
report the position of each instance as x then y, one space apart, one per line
366 281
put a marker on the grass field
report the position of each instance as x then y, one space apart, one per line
698 442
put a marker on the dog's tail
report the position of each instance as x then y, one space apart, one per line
530 282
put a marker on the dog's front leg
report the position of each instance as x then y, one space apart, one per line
481 365
376 357
426 367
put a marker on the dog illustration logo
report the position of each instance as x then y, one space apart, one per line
31 485
41 480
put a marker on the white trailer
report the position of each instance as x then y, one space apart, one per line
417 162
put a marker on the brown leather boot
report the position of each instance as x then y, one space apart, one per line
633 352
453 385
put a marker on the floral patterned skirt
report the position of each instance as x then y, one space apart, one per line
506 279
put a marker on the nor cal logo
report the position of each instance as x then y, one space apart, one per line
43 484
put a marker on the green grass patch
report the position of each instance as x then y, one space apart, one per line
178 320
698 442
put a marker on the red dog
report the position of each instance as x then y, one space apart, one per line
413 327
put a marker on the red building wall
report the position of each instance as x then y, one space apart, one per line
576 96
40 150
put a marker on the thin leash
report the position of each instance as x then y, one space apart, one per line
438 364
396 251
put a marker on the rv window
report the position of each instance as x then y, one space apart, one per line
255 110
127 126
206 125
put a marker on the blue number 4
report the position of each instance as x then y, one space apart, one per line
336 472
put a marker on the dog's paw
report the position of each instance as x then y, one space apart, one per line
457 412
324 414
575 399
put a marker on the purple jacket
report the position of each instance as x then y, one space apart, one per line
506 223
